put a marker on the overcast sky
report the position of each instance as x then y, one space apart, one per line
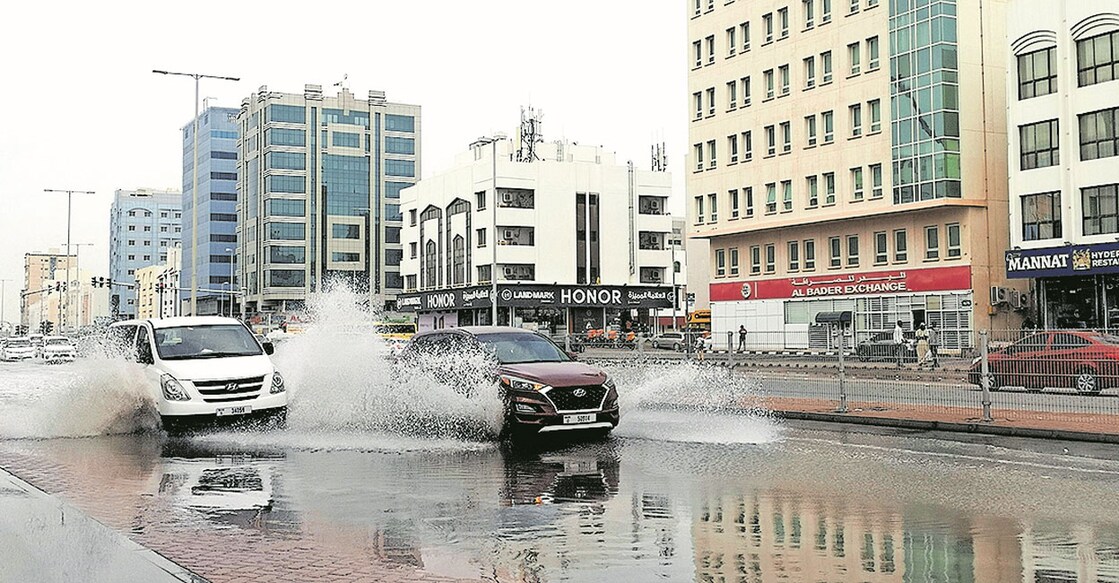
84 111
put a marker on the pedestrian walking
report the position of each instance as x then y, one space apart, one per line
934 342
922 335
701 345
899 343
741 338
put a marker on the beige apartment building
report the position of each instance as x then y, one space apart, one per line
849 155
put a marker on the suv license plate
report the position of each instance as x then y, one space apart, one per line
581 418
242 410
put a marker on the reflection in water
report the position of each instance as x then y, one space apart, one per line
620 509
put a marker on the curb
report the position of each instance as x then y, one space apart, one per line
978 427
142 561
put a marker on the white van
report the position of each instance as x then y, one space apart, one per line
203 368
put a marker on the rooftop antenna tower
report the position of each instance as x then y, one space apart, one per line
344 83
660 158
530 134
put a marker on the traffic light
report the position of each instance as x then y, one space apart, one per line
46 327
101 282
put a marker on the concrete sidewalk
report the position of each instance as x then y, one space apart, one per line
44 539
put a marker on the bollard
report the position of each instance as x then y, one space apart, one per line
730 349
640 344
985 378
842 377
567 343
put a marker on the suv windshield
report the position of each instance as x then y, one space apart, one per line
213 341
516 348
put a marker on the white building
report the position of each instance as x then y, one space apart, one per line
1063 113
158 287
580 240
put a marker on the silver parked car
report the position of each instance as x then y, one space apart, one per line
670 340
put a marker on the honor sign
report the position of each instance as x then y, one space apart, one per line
558 296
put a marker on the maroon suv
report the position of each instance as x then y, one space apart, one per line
544 388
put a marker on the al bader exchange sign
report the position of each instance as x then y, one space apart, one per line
536 295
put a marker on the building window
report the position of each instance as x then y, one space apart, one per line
732 147
932 243
854 58
710 101
768 76
713 206
809 254
770 140
881 250
711 162
697 49
856 116
835 248
412 248
1037 73
698 98
1100 214
734 261
744 32
340 231
825 67
786 137
770 258
872 59
346 139
812 186
286 231
1097 59
745 82
852 250
710 49
829 188
755 260
901 247
875 107
767 22
734 212
787 194
854 8
783 16
771 198
400 123
749 193
783 70
405 168
412 217
794 255
829 126
480 235
857 183
810 130
699 210
479 201
1041 216
1039 144
732 95
954 245
1099 133
747 146
720 263
875 181
809 13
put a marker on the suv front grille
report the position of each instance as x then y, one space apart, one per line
565 400
216 391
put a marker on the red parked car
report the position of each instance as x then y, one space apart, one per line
1083 360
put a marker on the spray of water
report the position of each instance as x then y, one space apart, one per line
691 402
342 378
101 394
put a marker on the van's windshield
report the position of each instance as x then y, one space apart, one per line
213 341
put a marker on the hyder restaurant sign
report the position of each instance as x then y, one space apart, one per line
823 285
533 295
1063 261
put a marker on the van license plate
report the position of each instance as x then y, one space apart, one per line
582 418
242 410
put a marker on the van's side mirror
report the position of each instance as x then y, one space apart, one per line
268 347
144 354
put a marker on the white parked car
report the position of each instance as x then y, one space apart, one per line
58 349
205 368
17 348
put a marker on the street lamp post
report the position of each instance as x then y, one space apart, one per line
194 184
3 289
492 141
231 258
62 320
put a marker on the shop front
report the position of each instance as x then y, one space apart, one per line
780 313
551 309
1075 286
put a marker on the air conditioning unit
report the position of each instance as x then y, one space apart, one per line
1020 300
998 295
510 234
508 271
655 276
655 206
507 197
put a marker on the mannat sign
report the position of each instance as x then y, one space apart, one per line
830 285
1063 261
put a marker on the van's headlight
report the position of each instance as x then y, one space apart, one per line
277 383
522 385
172 389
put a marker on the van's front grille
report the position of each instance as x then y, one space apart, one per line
230 390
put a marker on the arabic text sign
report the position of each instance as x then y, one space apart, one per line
534 295
821 285
1063 261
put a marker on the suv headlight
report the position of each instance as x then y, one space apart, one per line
277 383
522 384
172 389
609 383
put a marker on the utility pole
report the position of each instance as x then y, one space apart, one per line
194 184
3 289
62 320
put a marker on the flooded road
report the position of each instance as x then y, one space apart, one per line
380 477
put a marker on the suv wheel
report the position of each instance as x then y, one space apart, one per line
1086 382
676 346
